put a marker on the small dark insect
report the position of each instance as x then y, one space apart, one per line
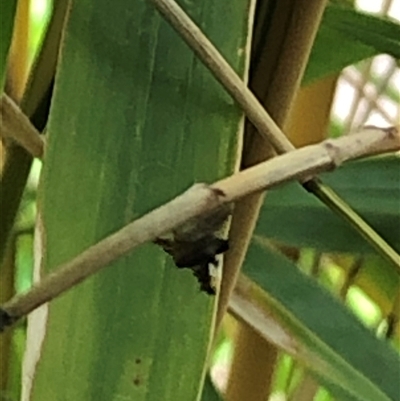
194 245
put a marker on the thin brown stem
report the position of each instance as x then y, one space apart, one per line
224 73
16 126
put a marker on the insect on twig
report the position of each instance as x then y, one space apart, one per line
195 245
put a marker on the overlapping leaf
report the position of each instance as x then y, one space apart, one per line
347 36
345 357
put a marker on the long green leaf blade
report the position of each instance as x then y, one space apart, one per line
347 36
136 119
341 353
8 9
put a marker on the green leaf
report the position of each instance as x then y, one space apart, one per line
379 280
8 9
347 36
370 186
344 356
136 118
209 391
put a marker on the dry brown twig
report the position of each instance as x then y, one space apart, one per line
224 73
195 202
15 125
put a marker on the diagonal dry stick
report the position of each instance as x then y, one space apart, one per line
269 130
224 73
260 118
15 125
198 200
